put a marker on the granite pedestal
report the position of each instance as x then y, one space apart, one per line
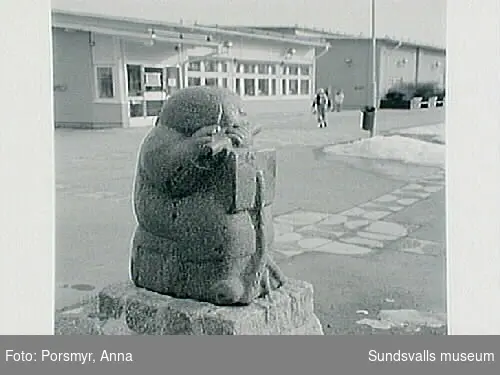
285 311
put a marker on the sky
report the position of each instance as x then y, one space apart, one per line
421 21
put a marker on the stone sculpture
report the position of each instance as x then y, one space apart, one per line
202 200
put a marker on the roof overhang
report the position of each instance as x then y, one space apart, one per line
191 32
311 32
271 35
132 30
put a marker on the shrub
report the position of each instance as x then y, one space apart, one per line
427 90
400 92
441 93
407 91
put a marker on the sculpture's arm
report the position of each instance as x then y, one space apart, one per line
164 152
242 136
179 163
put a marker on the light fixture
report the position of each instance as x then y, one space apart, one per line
224 47
178 47
152 33
436 64
290 52
152 37
348 61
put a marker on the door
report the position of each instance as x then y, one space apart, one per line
147 89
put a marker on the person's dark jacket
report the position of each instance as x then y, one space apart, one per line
317 101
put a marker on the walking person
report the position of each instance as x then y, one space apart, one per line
338 100
320 106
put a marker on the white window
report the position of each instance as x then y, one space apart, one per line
273 86
248 68
210 81
305 70
293 87
293 70
210 72
249 86
263 87
256 78
296 79
194 81
105 85
263 68
238 86
194 66
211 66
304 87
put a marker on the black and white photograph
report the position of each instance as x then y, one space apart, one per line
250 167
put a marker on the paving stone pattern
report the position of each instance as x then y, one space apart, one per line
356 231
359 230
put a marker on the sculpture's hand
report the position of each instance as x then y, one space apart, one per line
239 136
212 140
207 131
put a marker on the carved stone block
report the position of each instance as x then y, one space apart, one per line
289 311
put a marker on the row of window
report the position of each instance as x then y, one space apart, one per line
215 66
257 86
143 108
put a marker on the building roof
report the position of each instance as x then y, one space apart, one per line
312 32
182 28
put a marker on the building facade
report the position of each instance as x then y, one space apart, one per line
347 65
118 72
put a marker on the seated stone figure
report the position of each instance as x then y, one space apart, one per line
202 199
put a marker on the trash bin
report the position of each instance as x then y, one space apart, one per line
367 118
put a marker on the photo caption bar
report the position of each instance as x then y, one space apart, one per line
230 355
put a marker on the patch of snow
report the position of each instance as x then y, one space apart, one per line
376 324
437 131
397 148
410 319
413 317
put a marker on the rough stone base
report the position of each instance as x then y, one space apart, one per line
287 311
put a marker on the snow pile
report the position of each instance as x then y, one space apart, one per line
397 148
437 132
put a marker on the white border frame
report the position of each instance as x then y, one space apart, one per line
473 180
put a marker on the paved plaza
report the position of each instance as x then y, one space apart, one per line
368 234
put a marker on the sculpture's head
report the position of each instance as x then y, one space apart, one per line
193 108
